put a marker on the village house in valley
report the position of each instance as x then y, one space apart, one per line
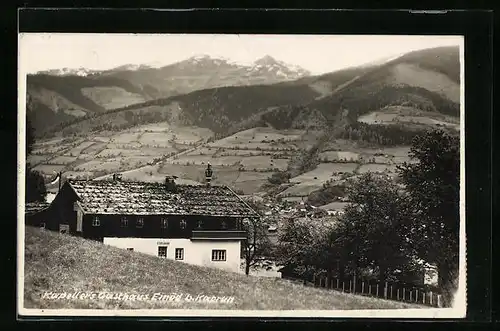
197 224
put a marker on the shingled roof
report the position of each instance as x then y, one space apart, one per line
143 198
35 207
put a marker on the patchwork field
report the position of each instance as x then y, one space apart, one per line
339 156
414 75
336 166
244 161
334 206
408 115
111 97
109 152
300 190
376 168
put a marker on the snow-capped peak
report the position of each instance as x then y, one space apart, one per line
68 72
279 68
266 60
203 58
126 67
266 67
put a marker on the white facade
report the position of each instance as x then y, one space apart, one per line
198 252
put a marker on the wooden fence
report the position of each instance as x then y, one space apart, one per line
384 290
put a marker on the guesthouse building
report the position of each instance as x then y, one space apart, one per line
197 224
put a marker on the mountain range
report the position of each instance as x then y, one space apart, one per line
224 96
316 128
56 96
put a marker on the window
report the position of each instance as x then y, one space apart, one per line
199 225
164 223
182 224
96 221
124 223
63 228
162 251
223 225
42 225
179 253
140 222
218 255
130 249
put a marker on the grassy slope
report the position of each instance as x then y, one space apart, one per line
60 263
69 90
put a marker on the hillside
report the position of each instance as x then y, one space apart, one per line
427 86
325 128
70 94
61 263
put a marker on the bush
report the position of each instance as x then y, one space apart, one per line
325 195
279 177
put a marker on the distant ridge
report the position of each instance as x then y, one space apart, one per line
223 96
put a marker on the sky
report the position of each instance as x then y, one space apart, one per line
316 53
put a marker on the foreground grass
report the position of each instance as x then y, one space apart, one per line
60 263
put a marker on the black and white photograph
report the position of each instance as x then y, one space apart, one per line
241 175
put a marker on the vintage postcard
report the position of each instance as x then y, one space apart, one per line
241 175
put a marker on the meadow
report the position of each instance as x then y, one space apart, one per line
244 160
60 263
108 152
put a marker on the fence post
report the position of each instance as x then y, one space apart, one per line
431 298
314 279
354 285
411 294
398 294
385 290
377 290
404 294
338 283
391 292
362 287
439 301
343 286
416 296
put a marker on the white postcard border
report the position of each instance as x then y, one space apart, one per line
458 310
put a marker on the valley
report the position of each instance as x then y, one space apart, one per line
160 166
317 130
244 161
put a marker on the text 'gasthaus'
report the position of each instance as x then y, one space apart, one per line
172 297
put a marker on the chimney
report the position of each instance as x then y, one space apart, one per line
170 184
208 174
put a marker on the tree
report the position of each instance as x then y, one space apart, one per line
35 184
257 243
279 177
373 230
302 245
433 182
30 136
